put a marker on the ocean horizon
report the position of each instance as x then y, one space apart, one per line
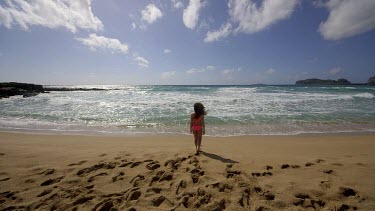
232 110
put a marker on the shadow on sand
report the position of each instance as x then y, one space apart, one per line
218 157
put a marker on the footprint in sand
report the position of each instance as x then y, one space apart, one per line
45 192
153 165
158 200
110 165
136 180
244 201
268 196
231 173
257 174
285 166
125 163
196 199
9 195
156 177
325 184
196 173
135 164
305 201
83 200
221 186
30 181
345 191
319 161
47 172
52 181
181 185
91 179
78 164
176 163
118 177
309 164
345 207
106 204
5 179
330 171
152 191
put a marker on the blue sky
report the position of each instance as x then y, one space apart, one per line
186 42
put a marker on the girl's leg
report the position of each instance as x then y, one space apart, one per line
196 139
199 140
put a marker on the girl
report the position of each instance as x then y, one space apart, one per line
197 126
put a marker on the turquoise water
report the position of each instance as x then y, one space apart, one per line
232 110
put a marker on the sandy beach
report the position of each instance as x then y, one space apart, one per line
68 172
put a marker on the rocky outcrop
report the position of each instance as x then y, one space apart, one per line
13 88
8 89
371 81
315 81
66 89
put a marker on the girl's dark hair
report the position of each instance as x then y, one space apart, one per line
199 110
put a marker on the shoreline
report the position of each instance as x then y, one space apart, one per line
147 134
67 172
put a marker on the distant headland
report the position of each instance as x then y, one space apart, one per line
341 81
315 81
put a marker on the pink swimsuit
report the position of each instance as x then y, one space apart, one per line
196 127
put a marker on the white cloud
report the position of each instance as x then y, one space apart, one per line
228 71
168 75
270 71
348 18
200 70
210 67
191 13
224 31
142 62
335 71
195 70
177 4
71 14
134 26
167 50
151 13
96 42
252 18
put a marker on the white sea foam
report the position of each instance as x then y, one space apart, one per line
364 95
236 110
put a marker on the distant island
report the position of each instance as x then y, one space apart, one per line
315 81
341 81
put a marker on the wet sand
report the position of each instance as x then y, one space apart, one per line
66 172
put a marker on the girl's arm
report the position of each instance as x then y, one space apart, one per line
203 126
191 123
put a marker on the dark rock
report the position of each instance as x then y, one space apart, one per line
371 81
67 89
315 81
9 89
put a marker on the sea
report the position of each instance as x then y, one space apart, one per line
231 110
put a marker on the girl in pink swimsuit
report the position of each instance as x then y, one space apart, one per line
197 126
